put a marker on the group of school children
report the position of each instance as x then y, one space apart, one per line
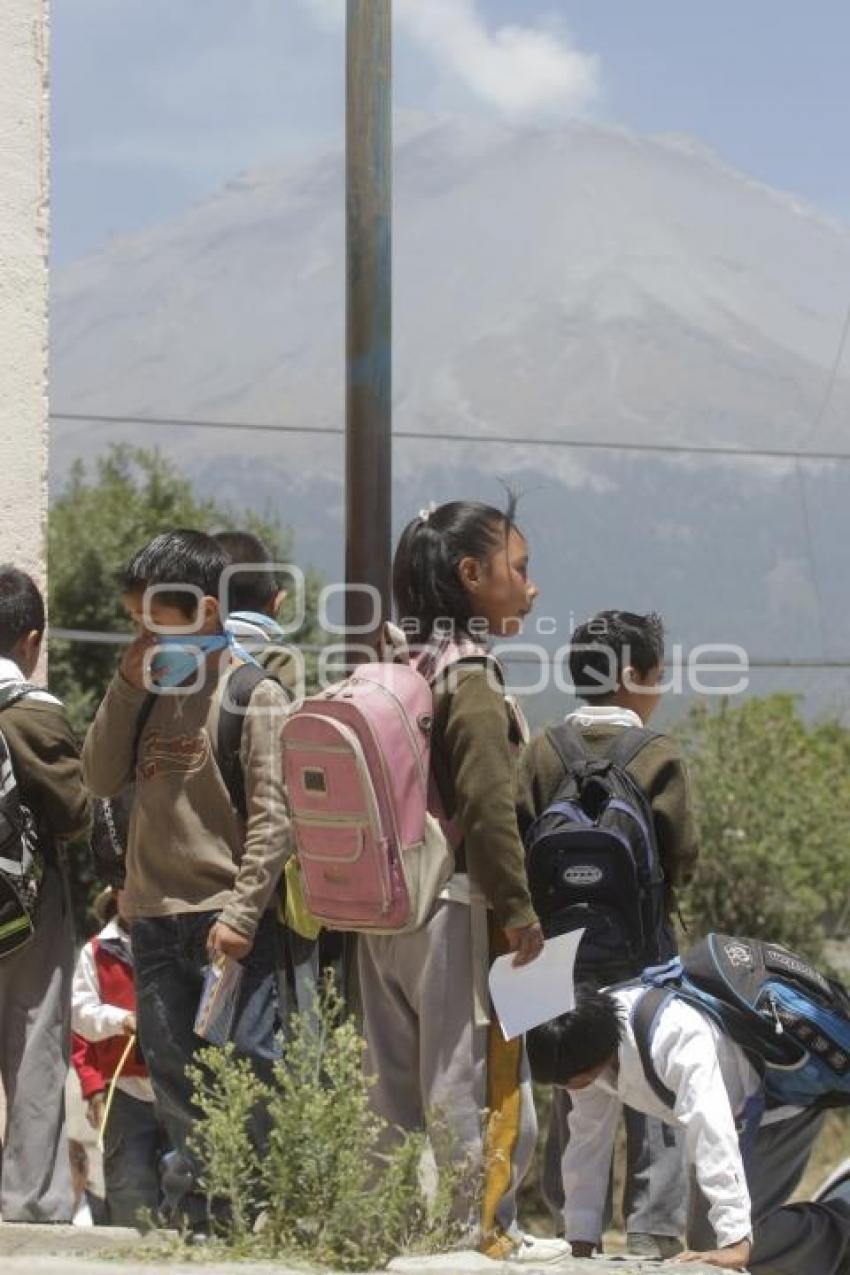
209 834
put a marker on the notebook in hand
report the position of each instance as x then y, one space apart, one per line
217 1006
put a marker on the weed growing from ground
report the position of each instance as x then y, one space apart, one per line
335 1185
227 1094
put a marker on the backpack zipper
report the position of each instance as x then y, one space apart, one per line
771 1001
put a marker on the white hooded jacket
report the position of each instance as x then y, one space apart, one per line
712 1081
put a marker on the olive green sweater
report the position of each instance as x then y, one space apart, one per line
474 750
659 771
46 760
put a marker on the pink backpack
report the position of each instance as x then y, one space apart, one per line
373 846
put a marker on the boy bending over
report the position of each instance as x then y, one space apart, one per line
592 1052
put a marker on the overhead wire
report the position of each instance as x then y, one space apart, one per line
314 648
432 436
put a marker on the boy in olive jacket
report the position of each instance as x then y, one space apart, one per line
35 980
616 665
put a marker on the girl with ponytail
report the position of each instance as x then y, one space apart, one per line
460 575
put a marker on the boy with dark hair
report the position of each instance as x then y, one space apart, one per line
594 1054
254 598
574 1044
253 584
208 833
616 662
603 649
35 980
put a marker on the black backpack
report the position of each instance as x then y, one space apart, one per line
21 860
792 1021
111 822
593 861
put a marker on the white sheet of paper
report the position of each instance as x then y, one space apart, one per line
527 995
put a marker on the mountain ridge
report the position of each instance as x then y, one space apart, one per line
581 283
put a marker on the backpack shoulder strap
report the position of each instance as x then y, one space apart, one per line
14 692
645 1016
625 747
568 744
11 694
238 689
434 662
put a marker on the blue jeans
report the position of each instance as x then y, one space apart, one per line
133 1143
170 958
297 961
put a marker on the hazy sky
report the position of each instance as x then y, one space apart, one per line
157 102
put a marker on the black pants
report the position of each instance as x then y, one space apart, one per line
170 958
134 1143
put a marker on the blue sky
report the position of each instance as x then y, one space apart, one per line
157 102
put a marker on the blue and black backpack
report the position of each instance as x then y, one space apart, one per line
792 1021
593 862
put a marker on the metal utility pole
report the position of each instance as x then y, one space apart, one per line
368 467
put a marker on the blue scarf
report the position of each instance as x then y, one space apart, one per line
177 659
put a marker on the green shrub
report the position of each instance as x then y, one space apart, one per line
772 801
227 1092
336 1185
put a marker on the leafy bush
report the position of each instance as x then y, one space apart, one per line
227 1092
772 799
335 1185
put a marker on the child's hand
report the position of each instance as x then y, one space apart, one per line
128 1025
94 1110
734 1257
526 941
132 665
222 941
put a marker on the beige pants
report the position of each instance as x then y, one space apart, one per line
35 1040
434 1066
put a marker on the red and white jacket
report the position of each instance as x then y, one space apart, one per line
103 993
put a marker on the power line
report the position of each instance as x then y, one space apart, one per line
755 662
671 449
94 637
178 422
90 636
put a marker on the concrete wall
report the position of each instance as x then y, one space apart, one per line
23 281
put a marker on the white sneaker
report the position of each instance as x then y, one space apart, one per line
539 1250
